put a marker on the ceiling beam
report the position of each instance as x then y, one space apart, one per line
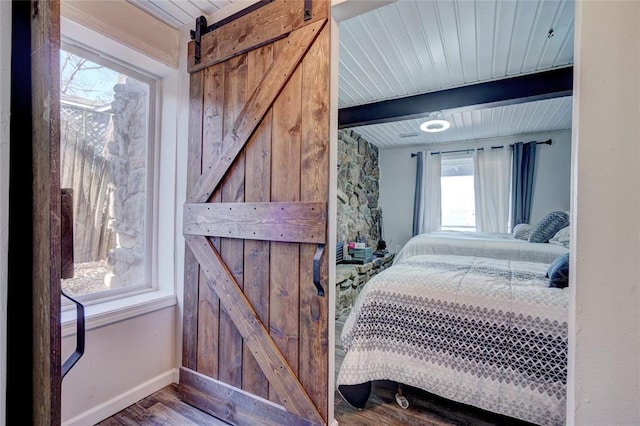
508 91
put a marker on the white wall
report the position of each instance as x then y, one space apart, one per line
552 188
398 175
604 352
123 363
5 93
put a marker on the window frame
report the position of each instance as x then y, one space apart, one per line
150 195
159 291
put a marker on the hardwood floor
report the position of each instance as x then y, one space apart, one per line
161 408
165 408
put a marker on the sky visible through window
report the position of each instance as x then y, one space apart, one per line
87 80
458 203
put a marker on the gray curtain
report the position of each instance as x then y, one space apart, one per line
417 196
523 166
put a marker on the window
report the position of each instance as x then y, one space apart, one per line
105 148
151 283
457 193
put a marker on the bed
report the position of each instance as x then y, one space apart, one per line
492 245
480 331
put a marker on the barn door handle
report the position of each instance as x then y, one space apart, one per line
77 354
316 269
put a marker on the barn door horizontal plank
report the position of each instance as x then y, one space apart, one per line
233 405
271 361
285 221
266 25
297 45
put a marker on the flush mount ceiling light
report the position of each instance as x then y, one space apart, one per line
435 123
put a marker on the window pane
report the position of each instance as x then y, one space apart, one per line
104 154
458 199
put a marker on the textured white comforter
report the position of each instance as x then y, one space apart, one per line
484 332
496 246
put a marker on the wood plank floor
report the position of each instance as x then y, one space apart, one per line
165 408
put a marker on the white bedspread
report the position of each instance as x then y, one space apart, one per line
484 332
495 246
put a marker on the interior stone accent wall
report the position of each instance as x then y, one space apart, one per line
358 189
358 213
350 279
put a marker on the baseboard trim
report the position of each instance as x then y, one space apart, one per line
111 407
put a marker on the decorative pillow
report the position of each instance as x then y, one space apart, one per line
561 237
548 226
558 272
522 231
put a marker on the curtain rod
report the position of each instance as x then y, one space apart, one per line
413 154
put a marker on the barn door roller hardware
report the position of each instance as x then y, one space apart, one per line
307 9
202 28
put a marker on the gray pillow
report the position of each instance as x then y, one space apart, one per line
548 226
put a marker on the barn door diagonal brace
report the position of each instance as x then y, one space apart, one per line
316 269
202 28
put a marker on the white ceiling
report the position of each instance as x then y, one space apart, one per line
411 47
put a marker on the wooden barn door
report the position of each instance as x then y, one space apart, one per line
33 363
255 330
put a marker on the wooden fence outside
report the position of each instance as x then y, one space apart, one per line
83 138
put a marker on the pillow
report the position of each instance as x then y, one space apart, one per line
558 272
548 226
561 237
522 231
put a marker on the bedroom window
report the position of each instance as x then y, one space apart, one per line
457 193
106 136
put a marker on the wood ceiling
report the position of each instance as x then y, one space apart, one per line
414 47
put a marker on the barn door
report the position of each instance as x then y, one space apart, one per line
33 369
255 330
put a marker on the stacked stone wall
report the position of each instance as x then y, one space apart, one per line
358 189
358 213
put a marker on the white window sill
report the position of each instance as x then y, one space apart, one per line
108 312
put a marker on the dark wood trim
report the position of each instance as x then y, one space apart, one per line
213 396
297 45
273 364
508 91
41 133
270 221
